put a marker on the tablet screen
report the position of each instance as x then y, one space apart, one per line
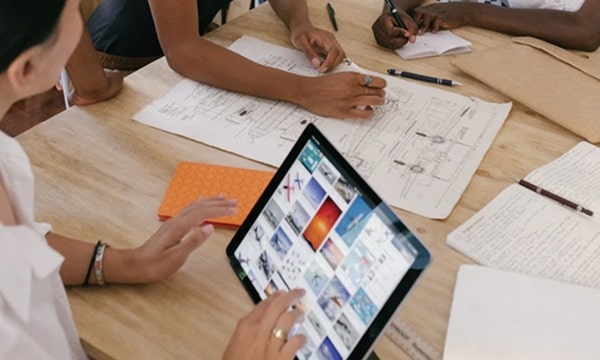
320 227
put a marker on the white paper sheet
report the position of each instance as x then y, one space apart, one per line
524 232
502 315
419 151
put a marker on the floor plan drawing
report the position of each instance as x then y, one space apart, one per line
419 151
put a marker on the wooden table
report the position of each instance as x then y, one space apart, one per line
101 175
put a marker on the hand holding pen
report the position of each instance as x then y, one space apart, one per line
392 30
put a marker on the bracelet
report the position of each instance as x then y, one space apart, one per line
99 264
89 270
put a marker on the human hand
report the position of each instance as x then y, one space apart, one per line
437 17
262 334
341 95
319 46
167 250
110 89
388 34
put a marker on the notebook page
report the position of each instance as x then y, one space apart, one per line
503 315
430 44
524 232
574 176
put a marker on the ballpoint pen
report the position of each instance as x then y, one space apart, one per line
331 13
561 200
426 78
395 14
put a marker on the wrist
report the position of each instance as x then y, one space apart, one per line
120 267
92 93
298 90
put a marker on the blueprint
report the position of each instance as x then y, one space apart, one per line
419 151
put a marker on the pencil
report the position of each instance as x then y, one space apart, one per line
561 200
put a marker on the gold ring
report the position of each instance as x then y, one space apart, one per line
280 334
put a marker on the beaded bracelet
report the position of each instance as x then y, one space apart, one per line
92 259
99 264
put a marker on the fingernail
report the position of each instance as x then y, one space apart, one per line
316 62
207 229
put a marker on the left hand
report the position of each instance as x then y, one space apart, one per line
437 17
169 247
319 46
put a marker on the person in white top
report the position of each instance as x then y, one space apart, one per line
570 24
37 38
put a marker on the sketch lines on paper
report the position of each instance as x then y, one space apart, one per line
418 151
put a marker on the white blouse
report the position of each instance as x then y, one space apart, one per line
35 318
564 5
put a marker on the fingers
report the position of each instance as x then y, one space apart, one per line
341 94
270 309
366 97
207 208
334 57
278 321
195 237
375 82
311 54
320 47
282 329
263 333
388 35
292 346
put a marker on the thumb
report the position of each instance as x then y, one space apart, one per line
310 53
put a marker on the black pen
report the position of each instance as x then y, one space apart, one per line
331 13
395 14
426 78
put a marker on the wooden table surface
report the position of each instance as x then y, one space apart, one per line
101 175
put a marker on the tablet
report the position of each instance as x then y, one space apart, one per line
319 226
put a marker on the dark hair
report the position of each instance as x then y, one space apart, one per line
24 24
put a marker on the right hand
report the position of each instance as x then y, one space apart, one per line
111 88
341 95
254 337
388 34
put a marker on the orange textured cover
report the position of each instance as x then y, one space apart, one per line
194 180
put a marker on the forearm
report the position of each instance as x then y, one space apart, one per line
405 5
118 264
293 13
85 70
214 65
563 28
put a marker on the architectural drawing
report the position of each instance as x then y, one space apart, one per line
419 151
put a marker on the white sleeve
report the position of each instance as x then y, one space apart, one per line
564 5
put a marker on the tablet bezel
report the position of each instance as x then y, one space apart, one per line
422 259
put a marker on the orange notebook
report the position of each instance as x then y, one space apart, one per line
194 180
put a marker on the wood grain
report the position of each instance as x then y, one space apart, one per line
101 175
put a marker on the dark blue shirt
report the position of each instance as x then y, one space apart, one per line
126 27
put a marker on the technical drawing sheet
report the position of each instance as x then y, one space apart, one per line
419 151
